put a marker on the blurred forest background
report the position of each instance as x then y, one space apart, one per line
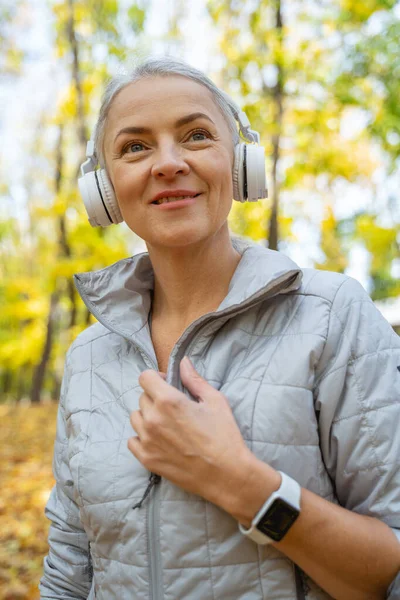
319 79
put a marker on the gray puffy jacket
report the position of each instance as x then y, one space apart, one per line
310 369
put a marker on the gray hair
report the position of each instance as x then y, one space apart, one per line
162 66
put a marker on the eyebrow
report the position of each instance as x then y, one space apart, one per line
182 121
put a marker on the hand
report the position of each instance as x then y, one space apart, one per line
196 445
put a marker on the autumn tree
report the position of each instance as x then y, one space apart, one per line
55 239
369 81
282 62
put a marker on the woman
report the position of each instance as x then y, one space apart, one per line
261 457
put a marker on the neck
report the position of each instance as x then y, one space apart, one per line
194 280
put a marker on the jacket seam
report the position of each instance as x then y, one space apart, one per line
331 312
169 500
364 412
378 466
294 313
245 438
367 410
261 380
245 355
312 295
334 313
352 303
375 352
137 385
77 345
234 564
87 427
305 291
209 551
260 580
364 418
353 360
278 335
251 334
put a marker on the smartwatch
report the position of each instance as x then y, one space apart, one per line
277 515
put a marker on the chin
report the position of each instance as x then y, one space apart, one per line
178 237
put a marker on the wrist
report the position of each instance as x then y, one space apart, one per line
254 483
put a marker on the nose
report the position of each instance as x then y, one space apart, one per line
169 163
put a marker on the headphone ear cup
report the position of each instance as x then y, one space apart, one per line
256 183
109 196
238 173
99 199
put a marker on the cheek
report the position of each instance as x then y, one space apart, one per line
126 184
220 172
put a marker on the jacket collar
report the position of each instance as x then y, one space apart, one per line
119 296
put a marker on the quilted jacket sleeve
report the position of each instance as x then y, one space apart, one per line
67 567
358 401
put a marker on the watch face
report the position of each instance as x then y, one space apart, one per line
278 519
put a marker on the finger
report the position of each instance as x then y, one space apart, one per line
196 385
137 422
145 402
163 375
155 386
134 446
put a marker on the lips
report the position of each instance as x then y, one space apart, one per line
174 196
173 199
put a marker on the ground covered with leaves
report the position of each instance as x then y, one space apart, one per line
25 483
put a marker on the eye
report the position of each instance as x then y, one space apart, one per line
199 136
133 148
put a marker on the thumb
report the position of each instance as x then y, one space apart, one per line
200 389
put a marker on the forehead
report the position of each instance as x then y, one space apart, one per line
159 101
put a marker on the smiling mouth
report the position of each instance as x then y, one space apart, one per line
173 199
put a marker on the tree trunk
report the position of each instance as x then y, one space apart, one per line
273 230
82 136
56 387
40 371
87 317
6 383
76 77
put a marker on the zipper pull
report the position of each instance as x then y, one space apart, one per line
153 480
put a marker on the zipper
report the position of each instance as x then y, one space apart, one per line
177 354
90 569
153 511
156 589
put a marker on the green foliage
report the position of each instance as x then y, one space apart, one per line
383 247
38 258
137 17
371 80
332 245
260 57
331 60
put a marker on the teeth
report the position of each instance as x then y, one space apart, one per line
172 199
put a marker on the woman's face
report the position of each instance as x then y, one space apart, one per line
165 139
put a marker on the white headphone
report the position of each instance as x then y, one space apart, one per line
248 176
